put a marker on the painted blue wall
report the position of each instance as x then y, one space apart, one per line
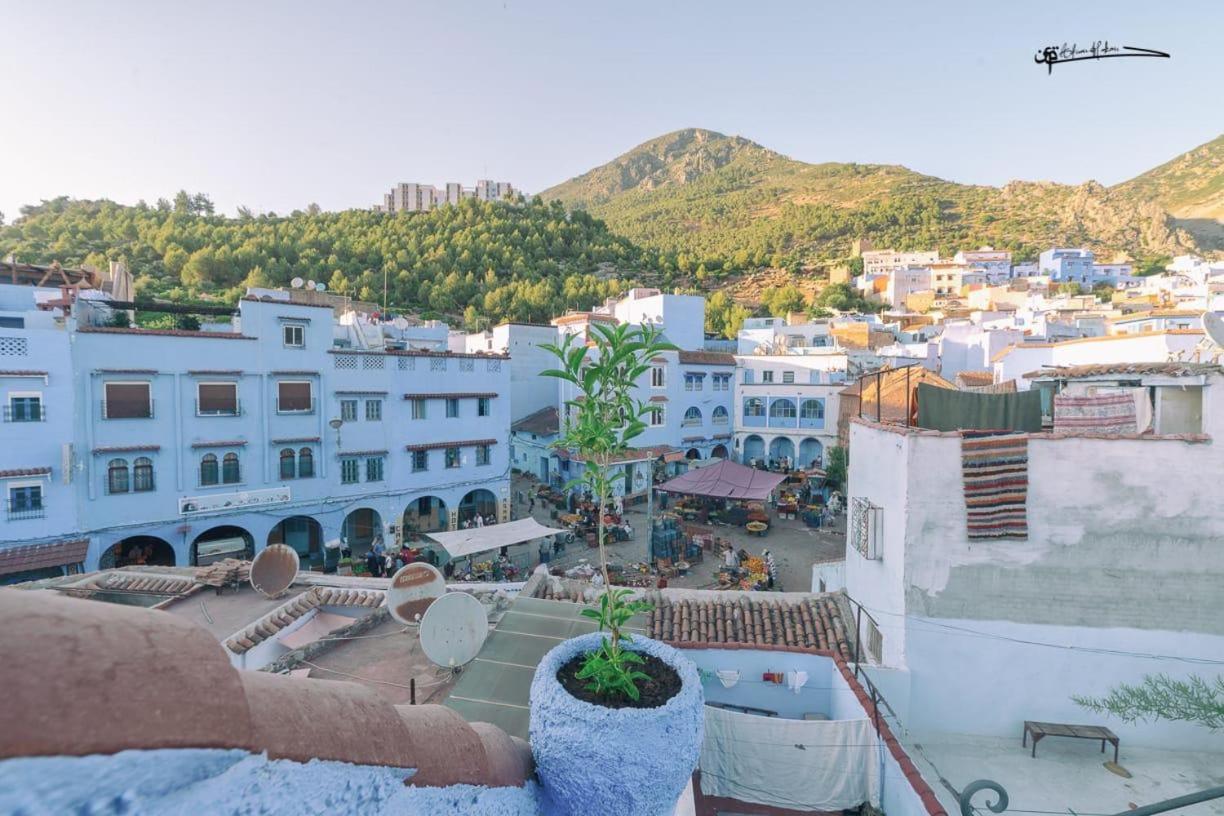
753 692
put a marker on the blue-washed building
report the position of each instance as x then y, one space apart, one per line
187 446
787 408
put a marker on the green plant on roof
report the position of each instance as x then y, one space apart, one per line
599 423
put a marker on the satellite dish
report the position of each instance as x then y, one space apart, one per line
1213 327
297 283
320 287
310 284
273 570
453 629
413 589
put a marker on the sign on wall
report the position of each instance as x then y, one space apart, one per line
234 501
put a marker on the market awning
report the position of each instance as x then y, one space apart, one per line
480 539
726 480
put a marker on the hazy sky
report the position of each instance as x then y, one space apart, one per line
276 104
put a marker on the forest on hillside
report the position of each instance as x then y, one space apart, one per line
482 261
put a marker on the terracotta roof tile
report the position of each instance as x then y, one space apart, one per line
1174 369
220 443
544 422
718 358
294 439
39 556
164 332
16 472
452 395
296 607
22 373
125 448
468 443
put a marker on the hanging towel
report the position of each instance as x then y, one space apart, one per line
728 677
796 680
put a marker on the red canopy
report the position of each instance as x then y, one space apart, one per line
726 480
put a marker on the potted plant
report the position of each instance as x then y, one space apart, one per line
616 720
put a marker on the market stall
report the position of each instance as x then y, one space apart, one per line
467 544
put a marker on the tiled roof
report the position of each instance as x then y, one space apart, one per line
220 443
164 332
16 472
125 448
279 302
362 453
975 378
22 373
217 372
294 608
543 422
288 439
127 371
452 395
477 355
137 582
658 399
719 358
38 556
469 443
301 372
1174 369
357 392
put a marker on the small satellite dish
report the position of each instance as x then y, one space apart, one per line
1213 327
413 589
320 287
310 284
273 570
453 629
297 283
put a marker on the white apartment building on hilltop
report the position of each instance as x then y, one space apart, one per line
878 261
416 197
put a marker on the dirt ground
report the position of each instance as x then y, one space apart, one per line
795 547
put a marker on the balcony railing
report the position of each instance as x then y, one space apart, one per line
25 413
127 410
294 406
25 510
222 411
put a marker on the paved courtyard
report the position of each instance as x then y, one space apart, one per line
795 547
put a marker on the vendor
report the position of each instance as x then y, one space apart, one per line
771 567
730 558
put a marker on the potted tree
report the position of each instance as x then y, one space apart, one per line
616 720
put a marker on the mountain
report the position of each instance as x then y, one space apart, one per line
724 198
1190 188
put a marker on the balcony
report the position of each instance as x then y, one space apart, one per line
782 421
25 413
295 406
753 421
26 509
215 410
127 410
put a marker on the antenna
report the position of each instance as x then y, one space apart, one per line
273 570
297 283
453 629
413 589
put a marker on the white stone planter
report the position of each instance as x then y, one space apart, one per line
598 761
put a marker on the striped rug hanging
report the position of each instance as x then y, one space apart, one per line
994 467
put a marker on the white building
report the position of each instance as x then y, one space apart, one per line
773 335
417 197
529 392
879 261
1013 362
994 263
786 407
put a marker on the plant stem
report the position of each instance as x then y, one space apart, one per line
600 533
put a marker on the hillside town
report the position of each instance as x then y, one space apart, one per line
889 542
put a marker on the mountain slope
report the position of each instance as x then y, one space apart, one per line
719 197
1190 188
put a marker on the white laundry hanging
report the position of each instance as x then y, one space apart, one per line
728 677
796 680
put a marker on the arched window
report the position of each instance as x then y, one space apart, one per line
754 407
719 416
305 463
208 470
812 409
117 480
692 416
288 467
782 409
229 469
142 474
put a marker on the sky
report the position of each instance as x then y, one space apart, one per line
274 105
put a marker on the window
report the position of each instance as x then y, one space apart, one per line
348 410
230 472
452 457
767 376
24 408
482 406
305 463
295 335
719 416
373 410
374 469
812 409
748 376
658 416
722 382
217 399
692 382
418 409
288 463
420 460
349 471
452 407
658 377
142 475
127 401
210 473
788 377
25 501
117 476
294 396
754 407
482 454
692 416
782 409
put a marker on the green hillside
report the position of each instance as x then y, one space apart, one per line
711 196
485 261
1191 188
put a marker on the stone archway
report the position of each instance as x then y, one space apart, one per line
719 452
779 447
692 453
217 543
425 514
479 501
754 449
303 534
811 453
137 551
361 527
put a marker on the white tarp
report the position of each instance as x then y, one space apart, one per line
825 765
480 539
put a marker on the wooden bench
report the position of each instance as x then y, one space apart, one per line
1040 730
